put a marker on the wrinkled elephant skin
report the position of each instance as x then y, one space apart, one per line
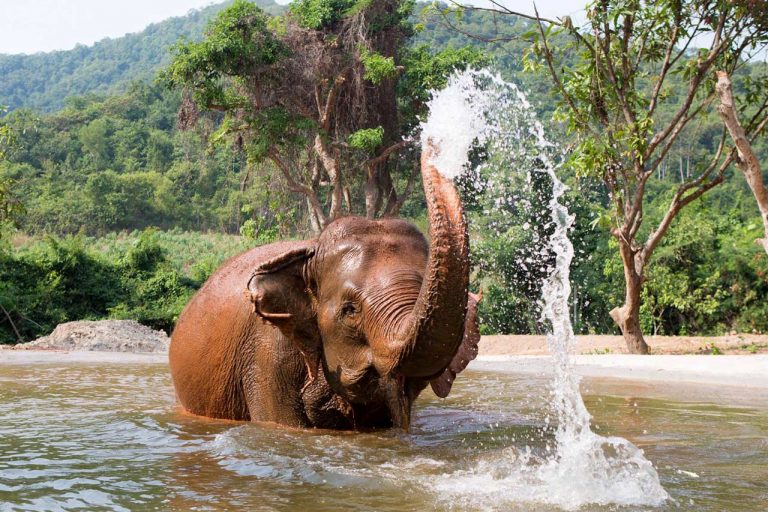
343 331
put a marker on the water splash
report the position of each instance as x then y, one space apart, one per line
478 108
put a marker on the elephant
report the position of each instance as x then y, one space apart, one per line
339 332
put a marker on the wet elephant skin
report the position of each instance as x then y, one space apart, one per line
342 332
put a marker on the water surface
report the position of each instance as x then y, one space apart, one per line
78 436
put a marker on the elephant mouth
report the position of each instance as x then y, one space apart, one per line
366 385
358 386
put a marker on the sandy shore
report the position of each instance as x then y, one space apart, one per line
603 344
731 370
727 380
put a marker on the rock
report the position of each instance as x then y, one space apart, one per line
102 335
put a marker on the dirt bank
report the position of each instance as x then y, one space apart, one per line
101 336
602 344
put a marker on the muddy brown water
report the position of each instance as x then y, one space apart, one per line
100 436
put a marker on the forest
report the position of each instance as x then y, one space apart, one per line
44 81
122 190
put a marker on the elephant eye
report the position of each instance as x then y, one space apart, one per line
349 309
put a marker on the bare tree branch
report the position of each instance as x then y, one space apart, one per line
673 136
10 320
747 160
665 67
702 69
679 201
393 209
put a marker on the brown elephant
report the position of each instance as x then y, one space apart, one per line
343 331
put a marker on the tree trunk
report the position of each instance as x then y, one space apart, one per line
393 208
331 165
316 221
627 317
747 162
379 190
388 194
371 192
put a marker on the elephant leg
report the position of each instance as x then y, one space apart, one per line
273 375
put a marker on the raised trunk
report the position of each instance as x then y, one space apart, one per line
627 317
435 329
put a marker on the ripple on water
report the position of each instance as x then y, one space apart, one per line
111 439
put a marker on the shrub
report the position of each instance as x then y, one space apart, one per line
146 276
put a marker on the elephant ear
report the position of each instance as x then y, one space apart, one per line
468 349
280 295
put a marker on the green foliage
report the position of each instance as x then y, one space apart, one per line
428 70
52 283
278 129
6 134
377 67
367 139
147 276
10 206
105 165
320 14
254 231
145 255
237 43
119 163
45 81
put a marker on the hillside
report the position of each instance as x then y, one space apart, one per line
43 81
114 163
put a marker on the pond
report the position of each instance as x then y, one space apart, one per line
108 436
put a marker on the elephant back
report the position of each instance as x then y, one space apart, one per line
209 344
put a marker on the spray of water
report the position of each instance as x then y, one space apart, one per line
478 107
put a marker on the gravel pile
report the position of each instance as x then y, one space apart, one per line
103 335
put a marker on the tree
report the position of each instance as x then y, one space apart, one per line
96 140
747 161
317 93
619 101
10 206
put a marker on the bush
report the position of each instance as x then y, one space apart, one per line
146 276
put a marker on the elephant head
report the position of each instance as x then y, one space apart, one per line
374 306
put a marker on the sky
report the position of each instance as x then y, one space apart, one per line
30 26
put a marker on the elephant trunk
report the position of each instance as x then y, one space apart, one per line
435 329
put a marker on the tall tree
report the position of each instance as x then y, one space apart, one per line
10 206
315 93
612 76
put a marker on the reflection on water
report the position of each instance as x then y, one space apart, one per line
85 436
